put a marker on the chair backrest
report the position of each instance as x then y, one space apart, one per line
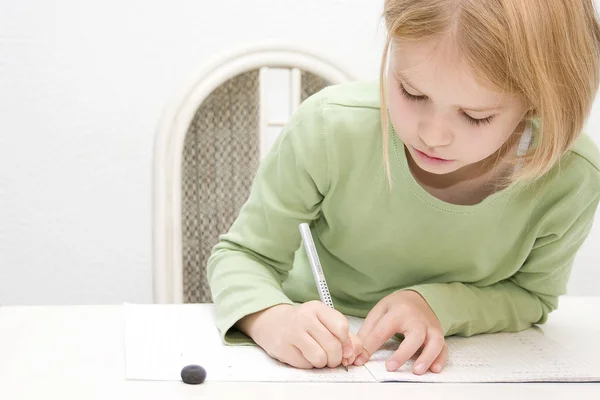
207 150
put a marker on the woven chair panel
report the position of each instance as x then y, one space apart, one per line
220 157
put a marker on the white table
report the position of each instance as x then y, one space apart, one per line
76 352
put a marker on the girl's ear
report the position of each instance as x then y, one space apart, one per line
521 127
530 114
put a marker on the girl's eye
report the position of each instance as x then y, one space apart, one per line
411 97
478 121
468 118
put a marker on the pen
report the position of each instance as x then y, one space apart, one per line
317 271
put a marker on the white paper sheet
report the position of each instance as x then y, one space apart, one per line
161 339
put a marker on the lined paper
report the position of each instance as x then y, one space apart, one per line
526 356
161 339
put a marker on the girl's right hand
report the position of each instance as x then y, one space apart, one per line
304 336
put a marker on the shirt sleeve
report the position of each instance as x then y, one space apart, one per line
527 297
249 263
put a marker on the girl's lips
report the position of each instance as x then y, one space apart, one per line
430 159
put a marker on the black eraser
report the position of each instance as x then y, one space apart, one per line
193 374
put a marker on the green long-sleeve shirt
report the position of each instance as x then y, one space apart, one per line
498 265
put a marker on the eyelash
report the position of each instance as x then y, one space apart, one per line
468 118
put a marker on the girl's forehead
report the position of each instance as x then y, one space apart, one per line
439 71
430 57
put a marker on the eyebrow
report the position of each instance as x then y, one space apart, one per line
474 109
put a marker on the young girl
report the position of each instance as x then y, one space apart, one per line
449 199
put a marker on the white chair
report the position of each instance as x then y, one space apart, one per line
207 149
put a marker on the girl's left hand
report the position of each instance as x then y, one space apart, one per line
408 313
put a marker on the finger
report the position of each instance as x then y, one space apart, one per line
440 362
369 323
295 358
383 330
413 340
311 350
372 318
357 348
328 342
434 343
334 321
348 346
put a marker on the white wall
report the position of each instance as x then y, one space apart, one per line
82 86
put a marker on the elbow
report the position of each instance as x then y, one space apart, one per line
548 303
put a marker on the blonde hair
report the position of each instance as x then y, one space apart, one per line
546 50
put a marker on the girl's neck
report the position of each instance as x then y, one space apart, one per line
471 184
